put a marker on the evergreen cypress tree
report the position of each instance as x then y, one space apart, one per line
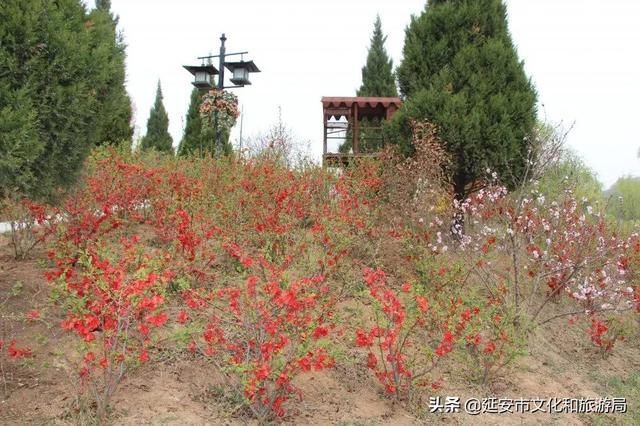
158 136
113 116
461 71
47 100
377 80
193 140
377 74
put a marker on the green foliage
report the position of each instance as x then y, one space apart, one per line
158 136
113 115
19 144
624 199
377 74
194 140
460 71
48 102
377 80
61 92
570 173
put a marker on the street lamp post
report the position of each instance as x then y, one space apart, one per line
203 77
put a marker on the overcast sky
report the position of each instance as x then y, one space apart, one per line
582 56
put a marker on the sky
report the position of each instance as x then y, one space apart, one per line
582 56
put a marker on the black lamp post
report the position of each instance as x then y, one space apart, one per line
203 76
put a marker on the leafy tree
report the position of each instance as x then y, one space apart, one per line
47 101
113 116
624 198
570 172
460 71
195 138
158 136
377 80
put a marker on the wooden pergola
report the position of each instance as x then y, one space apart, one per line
354 110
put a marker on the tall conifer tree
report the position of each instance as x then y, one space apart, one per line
460 70
113 115
48 102
377 73
158 136
377 80
194 140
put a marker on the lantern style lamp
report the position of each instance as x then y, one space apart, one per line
202 75
241 71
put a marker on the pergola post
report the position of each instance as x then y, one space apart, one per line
324 139
356 128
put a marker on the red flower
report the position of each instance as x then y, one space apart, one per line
84 371
320 332
422 303
489 347
277 406
144 356
157 320
305 363
362 340
262 372
372 361
474 339
446 345
15 352
283 379
252 280
33 315
183 317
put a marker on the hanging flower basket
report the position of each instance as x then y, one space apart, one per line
225 104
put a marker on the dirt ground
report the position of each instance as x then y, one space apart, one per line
188 391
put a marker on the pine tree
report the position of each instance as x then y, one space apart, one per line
113 117
158 136
377 74
377 80
194 140
460 71
47 100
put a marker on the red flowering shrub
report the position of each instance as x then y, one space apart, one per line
264 332
398 342
10 351
115 301
605 333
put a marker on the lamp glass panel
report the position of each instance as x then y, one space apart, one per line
202 77
240 74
